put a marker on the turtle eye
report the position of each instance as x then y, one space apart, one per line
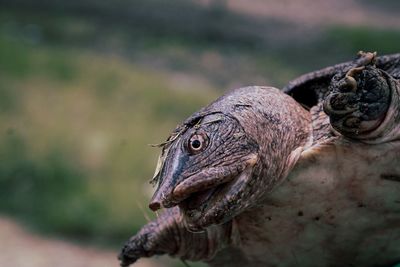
197 143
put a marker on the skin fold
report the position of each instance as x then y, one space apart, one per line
257 179
247 161
239 148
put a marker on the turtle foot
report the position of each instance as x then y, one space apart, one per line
144 244
359 99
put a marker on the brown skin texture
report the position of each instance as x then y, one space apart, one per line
232 197
363 103
239 164
336 208
312 88
168 235
237 148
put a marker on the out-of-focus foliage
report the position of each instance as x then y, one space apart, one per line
74 130
86 85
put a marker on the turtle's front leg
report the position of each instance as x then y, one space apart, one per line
168 235
364 104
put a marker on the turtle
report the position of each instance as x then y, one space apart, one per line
304 176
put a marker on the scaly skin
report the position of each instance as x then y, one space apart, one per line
240 164
226 174
239 147
168 235
311 88
364 104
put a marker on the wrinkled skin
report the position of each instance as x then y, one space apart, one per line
190 179
255 179
232 129
359 101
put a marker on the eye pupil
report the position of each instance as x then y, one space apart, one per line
196 144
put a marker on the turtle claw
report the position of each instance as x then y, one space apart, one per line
147 242
359 99
126 259
366 58
349 80
340 104
134 249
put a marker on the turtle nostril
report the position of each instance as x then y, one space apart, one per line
161 200
156 201
155 205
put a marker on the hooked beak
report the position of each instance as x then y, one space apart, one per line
169 178
201 185
159 200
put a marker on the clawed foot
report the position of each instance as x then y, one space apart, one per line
167 235
143 244
358 100
158 237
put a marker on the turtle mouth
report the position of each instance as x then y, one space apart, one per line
197 204
194 201
198 200
206 207
209 197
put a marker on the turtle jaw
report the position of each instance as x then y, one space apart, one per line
209 196
194 207
216 205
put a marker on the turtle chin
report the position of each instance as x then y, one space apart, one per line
195 207
216 205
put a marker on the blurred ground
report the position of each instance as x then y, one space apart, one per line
86 85
311 13
20 248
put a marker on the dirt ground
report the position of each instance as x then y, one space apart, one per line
20 248
320 13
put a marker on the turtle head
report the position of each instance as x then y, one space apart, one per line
200 165
225 157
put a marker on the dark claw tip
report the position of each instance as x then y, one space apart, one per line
126 257
125 260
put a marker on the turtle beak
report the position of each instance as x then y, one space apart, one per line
169 177
157 200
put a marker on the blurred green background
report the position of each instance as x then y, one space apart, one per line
85 85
